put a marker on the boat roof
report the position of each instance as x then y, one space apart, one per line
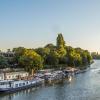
20 72
13 81
6 81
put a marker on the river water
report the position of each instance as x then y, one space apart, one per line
84 86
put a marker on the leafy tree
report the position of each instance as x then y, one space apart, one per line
43 51
61 46
50 46
95 55
63 60
62 52
87 56
19 51
60 41
30 60
52 58
3 62
51 55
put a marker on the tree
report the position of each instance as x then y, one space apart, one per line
52 58
17 53
95 55
3 62
30 60
63 60
74 57
50 46
43 51
51 55
62 52
61 46
87 56
60 41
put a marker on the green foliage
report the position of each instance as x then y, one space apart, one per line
60 41
62 52
52 55
31 60
95 55
19 51
50 46
52 58
3 62
43 51
35 59
74 58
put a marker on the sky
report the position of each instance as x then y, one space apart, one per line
35 23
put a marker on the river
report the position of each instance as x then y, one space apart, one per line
84 86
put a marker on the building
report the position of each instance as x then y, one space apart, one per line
8 54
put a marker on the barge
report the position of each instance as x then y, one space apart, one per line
13 86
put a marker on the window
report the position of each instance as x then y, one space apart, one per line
20 84
26 82
16 85
2 83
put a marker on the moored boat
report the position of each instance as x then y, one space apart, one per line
12 85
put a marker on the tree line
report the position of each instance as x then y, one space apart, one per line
95 55
49 56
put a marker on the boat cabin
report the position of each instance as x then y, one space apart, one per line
13 84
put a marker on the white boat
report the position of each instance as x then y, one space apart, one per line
11 85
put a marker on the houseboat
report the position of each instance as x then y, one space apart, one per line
12 85
13 75
54 76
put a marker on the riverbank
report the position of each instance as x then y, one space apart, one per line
82 87
42 77
46 76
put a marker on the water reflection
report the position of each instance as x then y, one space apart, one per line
85 86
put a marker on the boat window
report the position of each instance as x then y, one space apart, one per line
4 83
20 84
23 83
16 85
26 82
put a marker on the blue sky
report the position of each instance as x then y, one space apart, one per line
34 23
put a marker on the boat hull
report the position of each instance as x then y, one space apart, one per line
7 90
